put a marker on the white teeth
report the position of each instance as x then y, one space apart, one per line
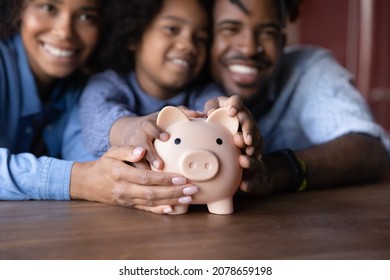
180 62
58 52
242 69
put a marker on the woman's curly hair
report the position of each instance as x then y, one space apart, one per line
10 11
126 26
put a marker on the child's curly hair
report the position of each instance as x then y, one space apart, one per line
126 26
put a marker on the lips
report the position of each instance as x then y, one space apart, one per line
243 74
58 52
242 69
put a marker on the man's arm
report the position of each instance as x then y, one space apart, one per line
350 159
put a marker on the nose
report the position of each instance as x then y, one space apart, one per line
247 43
63 27
199 165
186 42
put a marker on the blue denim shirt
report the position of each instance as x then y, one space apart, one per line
314 101
311 101
22 175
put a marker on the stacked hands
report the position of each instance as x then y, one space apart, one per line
157 60
129 181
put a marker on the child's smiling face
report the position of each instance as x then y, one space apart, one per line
172 50
59 35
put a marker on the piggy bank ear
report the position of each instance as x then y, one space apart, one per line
169 115
220 116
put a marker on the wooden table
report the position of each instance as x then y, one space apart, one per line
345 223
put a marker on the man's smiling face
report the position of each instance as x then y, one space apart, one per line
247 45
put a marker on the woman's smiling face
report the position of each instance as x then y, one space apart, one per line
59 35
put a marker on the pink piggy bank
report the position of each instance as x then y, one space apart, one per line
203 151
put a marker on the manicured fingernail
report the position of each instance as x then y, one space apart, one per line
138 151
184 199
190 190
157 164
179 181
167 210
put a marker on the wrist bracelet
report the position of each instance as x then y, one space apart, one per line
297 167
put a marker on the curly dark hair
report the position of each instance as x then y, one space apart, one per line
126 26
10 11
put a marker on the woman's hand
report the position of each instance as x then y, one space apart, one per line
112 179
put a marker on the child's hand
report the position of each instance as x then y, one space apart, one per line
141 132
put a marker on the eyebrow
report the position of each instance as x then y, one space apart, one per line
263 25
174 18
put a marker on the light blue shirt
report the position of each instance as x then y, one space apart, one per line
312 101
22 175
109 96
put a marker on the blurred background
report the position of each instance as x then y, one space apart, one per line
358 32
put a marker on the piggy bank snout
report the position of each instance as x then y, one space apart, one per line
199 165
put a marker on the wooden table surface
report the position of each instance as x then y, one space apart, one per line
344 223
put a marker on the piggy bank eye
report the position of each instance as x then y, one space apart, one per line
177 141
219 141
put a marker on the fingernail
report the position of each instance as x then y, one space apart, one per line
184 199
167 210
232 111
179 181
190 190
249 139
157 164
138 151
164 136
250 150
